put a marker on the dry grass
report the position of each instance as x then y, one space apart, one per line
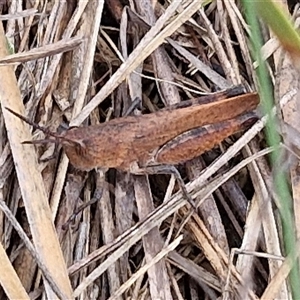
74 62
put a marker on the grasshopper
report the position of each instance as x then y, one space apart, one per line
155 142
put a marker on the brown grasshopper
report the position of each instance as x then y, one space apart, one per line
151 143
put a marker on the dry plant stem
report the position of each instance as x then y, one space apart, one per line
22 14
208 210
80 209
143 270
201 275
9 279
280 277
175 284
223 14
41 52
108 228
241 37
208 72
231 77
244 264
124 207
33 192
152 242
31 248
26 32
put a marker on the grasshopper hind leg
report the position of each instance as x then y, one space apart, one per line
165 169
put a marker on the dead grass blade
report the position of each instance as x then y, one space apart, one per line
30 181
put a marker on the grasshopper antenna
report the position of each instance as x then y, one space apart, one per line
43 129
